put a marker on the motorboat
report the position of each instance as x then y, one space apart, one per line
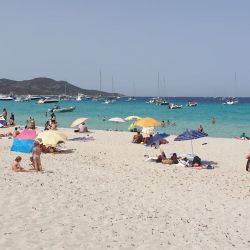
33 97
161 101
6 98
231 101
174 106
109 101
192 104
131 99
21 99
78 98
62 110
48 100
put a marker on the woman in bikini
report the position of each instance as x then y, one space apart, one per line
36 154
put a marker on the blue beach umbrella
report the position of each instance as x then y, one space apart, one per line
157 137
190 135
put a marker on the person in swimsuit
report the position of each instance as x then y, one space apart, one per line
16 167
36 154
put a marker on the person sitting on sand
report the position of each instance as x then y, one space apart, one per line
161 157
137 138
200 129
31 123
12 119
16 165
53 124
16 132
36 154
47 125
196 161
146 139
244 137
174 158
82 128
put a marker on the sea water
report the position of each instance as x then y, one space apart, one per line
231 120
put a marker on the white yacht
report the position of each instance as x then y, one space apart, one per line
6 98
48 100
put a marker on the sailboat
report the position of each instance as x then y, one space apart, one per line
232 100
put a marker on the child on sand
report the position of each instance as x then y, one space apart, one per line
16 165
36 155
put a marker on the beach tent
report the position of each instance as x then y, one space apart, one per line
24 142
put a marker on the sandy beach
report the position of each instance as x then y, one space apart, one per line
104 195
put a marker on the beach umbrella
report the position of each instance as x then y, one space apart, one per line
78 122
51 137
116 120
147 122
132 118
24 142
190 135
156 138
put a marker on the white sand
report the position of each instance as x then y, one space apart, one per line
105 196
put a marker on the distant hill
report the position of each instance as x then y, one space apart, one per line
44 86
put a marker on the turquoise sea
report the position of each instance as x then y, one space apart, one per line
231 120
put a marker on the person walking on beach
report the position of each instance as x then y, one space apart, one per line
248 162
36 154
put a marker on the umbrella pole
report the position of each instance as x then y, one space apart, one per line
192 146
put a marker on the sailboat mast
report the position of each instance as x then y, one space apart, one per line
112 85
235 84
165 87
100 76
158 84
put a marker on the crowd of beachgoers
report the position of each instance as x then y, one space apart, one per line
151 138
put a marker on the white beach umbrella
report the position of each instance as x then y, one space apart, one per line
116 120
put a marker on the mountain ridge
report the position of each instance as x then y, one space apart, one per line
45 86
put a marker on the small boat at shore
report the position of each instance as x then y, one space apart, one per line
58 109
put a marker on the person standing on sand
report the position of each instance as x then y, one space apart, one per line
248 162
36 154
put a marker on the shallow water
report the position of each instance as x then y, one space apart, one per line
231 120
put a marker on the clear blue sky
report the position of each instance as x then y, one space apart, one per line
196 44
